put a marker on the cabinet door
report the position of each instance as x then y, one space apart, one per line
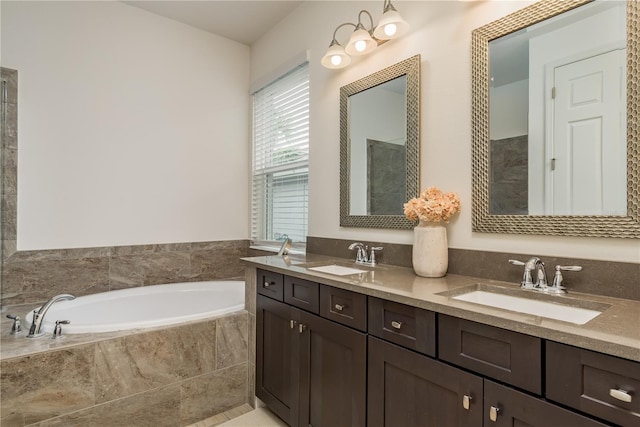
409 389
277 355
333 370
505 406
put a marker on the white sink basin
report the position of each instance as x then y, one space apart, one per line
338 270
551 310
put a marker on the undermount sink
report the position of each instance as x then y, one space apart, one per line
570 310
338 270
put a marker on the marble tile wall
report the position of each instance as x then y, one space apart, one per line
35 276
184 374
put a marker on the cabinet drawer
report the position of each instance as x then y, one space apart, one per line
410 327
270 284
302 293
506 407
595 383
507 356
346 307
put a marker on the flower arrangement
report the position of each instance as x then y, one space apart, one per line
432 206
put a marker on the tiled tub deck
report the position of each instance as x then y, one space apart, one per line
169 376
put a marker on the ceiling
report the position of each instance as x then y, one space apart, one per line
244 21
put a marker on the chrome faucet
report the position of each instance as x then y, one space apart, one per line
38 314
541 284
286 245
363 256
533 264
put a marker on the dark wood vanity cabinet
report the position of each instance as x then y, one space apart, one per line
505 406
598 384
331 357
310 371
410 389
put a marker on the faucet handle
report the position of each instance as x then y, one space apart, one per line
16 328
556 286
527 279
372 254
57 330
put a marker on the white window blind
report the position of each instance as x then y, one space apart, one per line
281 158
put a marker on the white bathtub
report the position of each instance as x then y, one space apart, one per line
144 307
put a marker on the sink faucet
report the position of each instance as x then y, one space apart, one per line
541 284
38 315
286 245
533 264
363 257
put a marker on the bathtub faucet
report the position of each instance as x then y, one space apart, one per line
38 315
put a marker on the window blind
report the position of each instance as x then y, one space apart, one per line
281 158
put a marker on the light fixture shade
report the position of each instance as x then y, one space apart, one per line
386 30
360 43
335 57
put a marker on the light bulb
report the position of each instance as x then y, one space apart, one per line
361 45
390 29
336 59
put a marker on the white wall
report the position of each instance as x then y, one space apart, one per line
132 128
441 34
510 103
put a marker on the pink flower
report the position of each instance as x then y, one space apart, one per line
432 206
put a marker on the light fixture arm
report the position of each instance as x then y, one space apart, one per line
360 21
335 41
388 6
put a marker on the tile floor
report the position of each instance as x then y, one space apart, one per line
243 416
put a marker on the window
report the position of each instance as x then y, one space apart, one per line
281 159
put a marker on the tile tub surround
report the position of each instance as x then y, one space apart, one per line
35 276
608 278
186 373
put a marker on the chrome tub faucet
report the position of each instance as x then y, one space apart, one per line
38 314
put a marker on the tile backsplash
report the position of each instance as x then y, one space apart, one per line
614 279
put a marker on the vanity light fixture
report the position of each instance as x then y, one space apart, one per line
363 40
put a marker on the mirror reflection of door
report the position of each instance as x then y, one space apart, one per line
582 53
587 171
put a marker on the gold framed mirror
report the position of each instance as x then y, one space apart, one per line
380 146
485 217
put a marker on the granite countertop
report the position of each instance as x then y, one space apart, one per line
616 331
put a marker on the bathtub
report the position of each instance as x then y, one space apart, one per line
144 307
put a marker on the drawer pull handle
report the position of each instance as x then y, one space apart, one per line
396 325
339 307
493 413
266 284
620 395
466 401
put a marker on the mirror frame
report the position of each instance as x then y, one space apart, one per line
558 225
411 68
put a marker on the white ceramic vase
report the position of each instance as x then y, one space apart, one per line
430 250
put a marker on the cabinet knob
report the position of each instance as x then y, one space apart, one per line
466 401
266 284
339 307
301 328
292 323
620 394
396 325
493 413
